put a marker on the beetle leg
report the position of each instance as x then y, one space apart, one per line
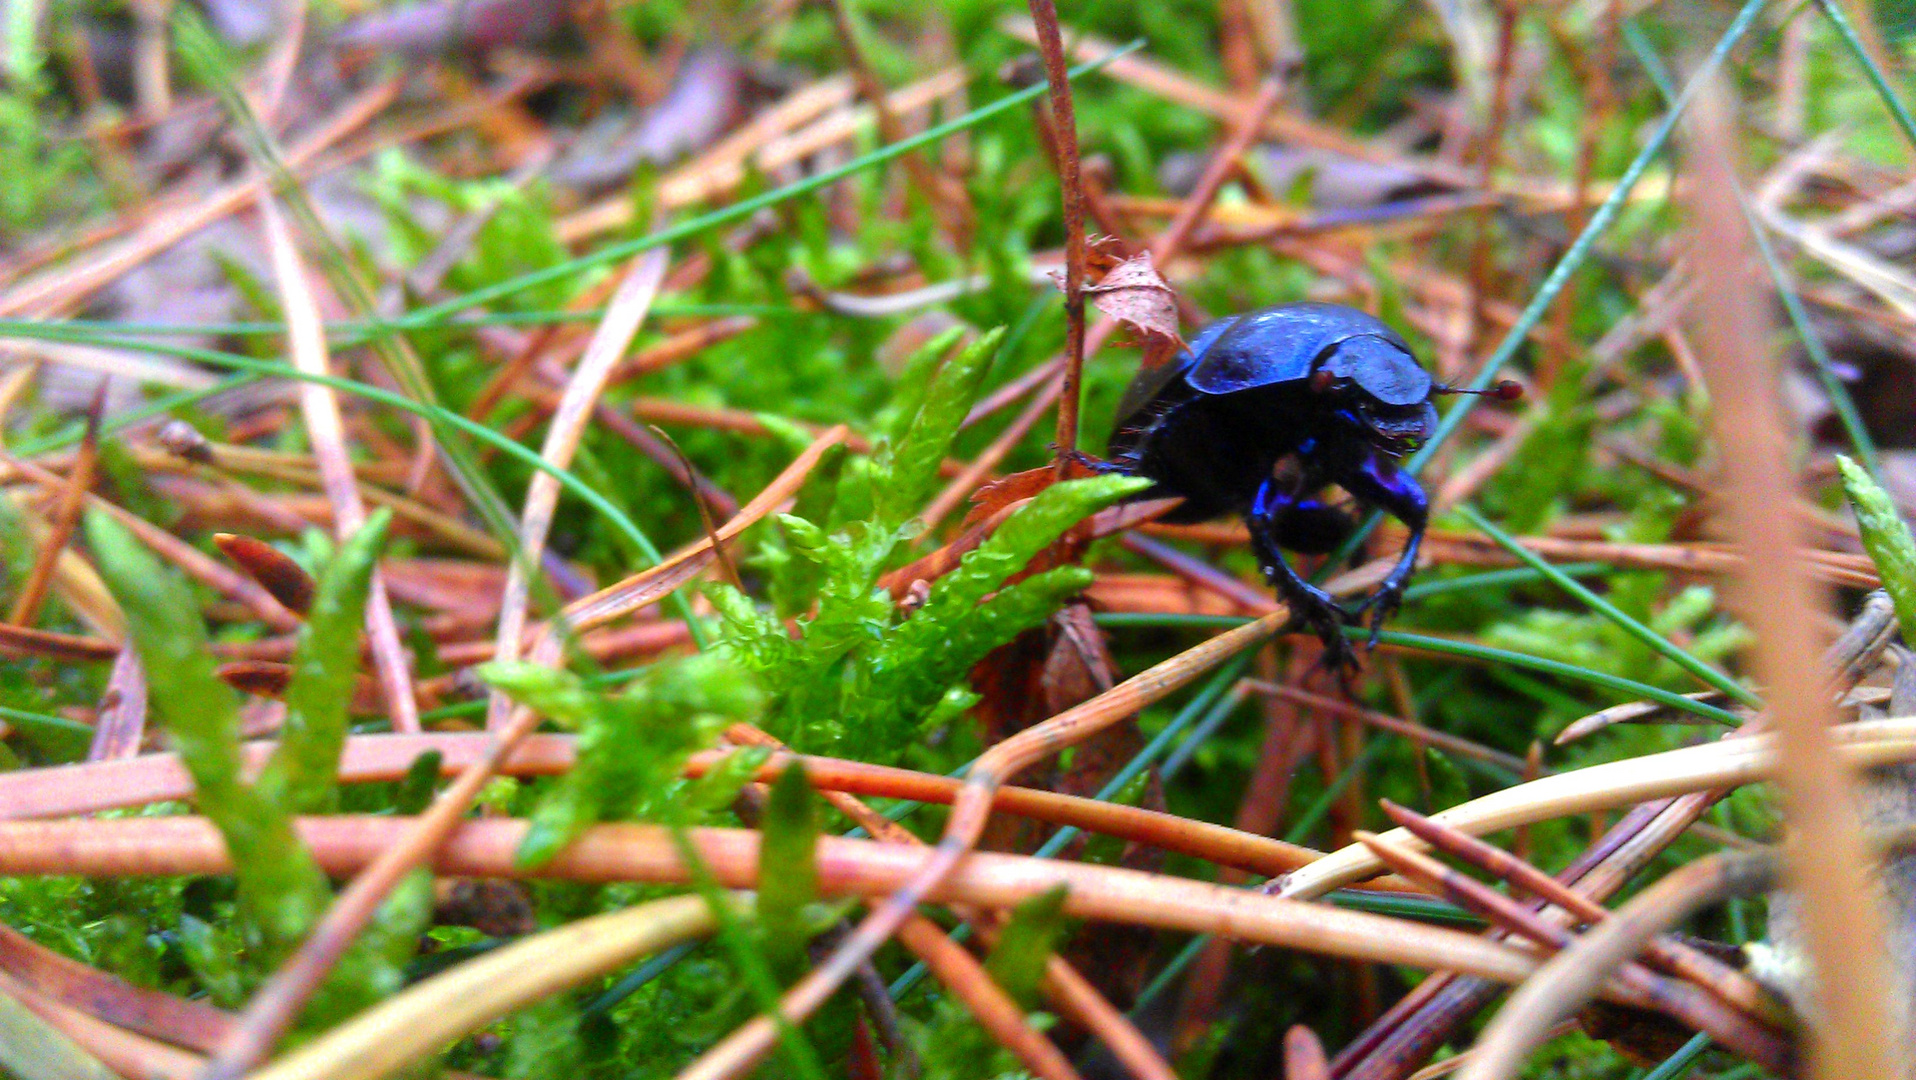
1097 465
1381 484
1310 604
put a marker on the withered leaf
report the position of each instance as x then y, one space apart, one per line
1136 295
990 498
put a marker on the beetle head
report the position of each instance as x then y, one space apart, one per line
1386 391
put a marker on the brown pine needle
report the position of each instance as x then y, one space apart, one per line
1725 764
151 778
1827 858
326 428
614 335
66 515
484 847
1571 979
120 724
1673 956
1687 1003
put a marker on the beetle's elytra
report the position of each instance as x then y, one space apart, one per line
1265 411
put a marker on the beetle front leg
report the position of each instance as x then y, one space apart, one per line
1096 465
1310 604
1382 485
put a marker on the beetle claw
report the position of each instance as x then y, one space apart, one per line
1338 657
1327 619
1382 604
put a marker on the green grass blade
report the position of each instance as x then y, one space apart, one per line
1876 76
59 738
395 354
1799 316
1628 687
1586 240
1573 259
76 431
627 529
1491 579
1679 1064
345 333
1662 645
1468 650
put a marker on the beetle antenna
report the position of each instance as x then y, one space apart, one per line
1503 390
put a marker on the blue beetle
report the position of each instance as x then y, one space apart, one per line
1266 410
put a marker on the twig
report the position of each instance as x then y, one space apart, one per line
1154 78
1064 126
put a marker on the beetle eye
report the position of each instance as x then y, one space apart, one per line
1322 381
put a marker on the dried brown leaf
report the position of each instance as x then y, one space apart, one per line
1136 295
990 499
